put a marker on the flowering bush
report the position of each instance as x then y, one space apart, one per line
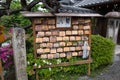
6 55
6 50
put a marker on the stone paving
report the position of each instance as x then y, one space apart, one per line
117 53
112 72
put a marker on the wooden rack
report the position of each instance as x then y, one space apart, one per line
51 42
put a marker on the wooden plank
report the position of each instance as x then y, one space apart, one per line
79 14
34 35
68 63
19 50
40 14
89 65
1 71
37 14
89 70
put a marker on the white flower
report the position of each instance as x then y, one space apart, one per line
47 62
50 63
28 62
40 3
44 61
44 9
50 69
41 9
5 44
35 64
58 61
39 66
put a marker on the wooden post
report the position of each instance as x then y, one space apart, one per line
1 71
89 70
37 76
19 53
35 55
34 34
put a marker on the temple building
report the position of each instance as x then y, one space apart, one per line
108 25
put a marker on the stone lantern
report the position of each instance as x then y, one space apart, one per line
113 25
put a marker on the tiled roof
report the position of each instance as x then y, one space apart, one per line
71 9
91 2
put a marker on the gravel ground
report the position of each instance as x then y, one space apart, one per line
111 73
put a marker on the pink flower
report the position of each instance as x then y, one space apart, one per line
6 55
11 30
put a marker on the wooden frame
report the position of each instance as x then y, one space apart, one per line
87 61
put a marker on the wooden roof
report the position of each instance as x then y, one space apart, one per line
40 14
85 3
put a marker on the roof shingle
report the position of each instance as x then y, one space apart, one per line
90 2
71 9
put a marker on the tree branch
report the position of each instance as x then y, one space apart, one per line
24 4
47 6
14 11
33 3
27 27
8 2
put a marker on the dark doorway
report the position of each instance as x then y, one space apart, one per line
118 39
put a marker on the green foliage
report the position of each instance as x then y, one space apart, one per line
16 20
29 45
15 4
39 7
102 54
102 51
52 72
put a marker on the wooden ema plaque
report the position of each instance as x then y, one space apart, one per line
51 39
62 42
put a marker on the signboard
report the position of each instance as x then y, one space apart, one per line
19 53
63 21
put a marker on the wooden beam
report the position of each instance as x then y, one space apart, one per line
39 14
68 63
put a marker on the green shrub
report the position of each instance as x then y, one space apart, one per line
29 45
15 20
102 50
102 54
